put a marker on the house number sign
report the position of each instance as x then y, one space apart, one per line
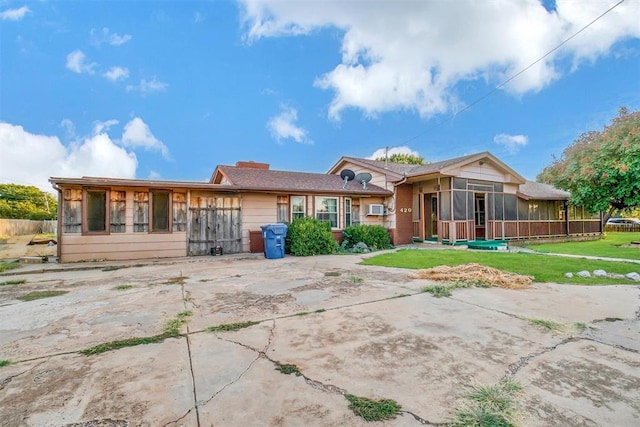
406 210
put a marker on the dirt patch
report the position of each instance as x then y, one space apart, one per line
248 303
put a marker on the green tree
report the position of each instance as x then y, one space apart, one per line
407 159
26 202
601 169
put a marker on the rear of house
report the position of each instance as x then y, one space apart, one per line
475 197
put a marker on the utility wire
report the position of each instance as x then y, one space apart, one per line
525 69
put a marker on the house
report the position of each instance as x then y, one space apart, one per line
470 198
462 199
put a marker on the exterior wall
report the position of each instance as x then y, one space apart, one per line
403 231
122 246
484 171
75 247
377 178
257 210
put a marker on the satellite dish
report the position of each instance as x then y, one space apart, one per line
363 178
347 175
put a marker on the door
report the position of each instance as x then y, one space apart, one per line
431 216
215 221
480 215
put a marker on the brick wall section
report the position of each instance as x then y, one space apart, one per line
403 232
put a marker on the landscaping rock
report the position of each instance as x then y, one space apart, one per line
362 247
568 275
616 276
599 273
583 273
633 276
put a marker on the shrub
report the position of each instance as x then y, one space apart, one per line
309 236
374 236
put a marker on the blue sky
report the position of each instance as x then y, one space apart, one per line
168 90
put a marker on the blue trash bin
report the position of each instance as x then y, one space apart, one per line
273 235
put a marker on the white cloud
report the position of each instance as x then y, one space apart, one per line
283 126
512 143
138 135
100 127
154 176
106 36
117 73
14 14
77 62
402 149
411 55
148 86
69 127
30 158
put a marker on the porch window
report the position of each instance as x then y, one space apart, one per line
141 211
96 211
283 209
72 211
160 211
117 211
298 207
327 210
347 212
179 212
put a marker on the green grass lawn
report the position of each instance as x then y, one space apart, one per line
544 268
610 246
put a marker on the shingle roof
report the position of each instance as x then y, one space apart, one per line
415 170
538 190
266 179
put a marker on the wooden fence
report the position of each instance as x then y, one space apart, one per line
19 227
622 227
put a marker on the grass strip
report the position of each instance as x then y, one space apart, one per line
5 362
229 327
6 266
122 287
128 342
543 268
613 245
13 282
31 296
373 410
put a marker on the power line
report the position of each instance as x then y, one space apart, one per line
525 69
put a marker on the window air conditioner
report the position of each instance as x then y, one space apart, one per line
377 210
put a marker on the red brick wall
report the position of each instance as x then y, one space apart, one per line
403 232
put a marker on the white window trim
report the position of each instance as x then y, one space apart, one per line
337 213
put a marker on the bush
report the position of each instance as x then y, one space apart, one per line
374 236
309 236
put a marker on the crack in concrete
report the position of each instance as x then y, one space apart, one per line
193 378
618 346
10 378
229 384
422 420
513 368
181 418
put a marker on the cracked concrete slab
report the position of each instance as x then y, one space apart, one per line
583 384
136 384
355 336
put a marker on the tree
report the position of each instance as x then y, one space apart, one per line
26 202
601 169
407 159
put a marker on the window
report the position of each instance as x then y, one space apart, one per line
72 211
117 211
160 213
179 212
347 213
96 211
298 207
141 211
327 210
283 209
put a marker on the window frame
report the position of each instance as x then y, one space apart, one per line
348 212
85 210
318 202
282 207
152 196
296 214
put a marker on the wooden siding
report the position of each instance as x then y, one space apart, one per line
485 172
122 246
258 209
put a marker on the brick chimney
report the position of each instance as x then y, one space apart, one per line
252 165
